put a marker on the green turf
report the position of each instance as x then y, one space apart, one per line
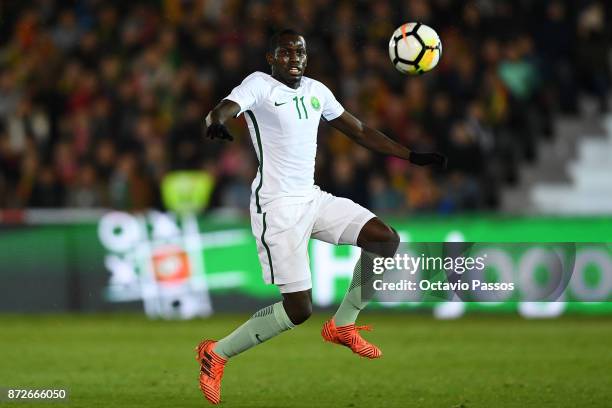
482 361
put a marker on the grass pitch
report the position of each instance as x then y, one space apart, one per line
482 361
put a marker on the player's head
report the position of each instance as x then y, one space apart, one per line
287 56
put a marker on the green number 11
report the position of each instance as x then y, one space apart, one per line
297 106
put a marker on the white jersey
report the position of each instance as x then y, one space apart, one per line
283 123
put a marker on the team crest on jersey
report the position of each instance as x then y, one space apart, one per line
315 103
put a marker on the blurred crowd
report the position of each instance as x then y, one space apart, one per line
100 100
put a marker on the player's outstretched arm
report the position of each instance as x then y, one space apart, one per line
378 142
214 124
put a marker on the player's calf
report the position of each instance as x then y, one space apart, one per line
212 356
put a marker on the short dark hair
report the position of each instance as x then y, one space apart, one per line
273 43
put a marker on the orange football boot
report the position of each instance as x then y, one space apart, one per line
349 336
211 370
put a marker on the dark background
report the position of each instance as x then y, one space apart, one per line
99 100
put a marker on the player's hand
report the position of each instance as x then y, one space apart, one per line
425 159
217 131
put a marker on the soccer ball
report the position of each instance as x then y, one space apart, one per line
415 48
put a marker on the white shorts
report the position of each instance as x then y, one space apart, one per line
282 234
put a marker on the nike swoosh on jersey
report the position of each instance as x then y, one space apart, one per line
279 104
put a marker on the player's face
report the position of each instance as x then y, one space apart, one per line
289 59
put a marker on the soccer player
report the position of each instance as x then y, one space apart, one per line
283 111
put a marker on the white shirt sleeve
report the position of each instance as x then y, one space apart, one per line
250 92
331 107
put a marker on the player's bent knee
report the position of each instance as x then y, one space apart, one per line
394 241
299 314
298 306
379 238
389 243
